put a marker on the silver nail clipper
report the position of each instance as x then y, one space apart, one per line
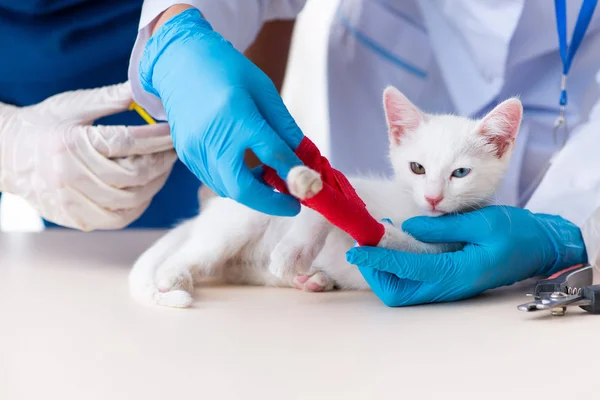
567 288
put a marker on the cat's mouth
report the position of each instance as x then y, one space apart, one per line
459 209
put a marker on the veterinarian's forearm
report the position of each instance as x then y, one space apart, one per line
271 48
238 21
269 51
170 13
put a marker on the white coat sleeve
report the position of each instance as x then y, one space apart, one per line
239 21
571 186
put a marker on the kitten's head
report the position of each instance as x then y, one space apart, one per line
449 163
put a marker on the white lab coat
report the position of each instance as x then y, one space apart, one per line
457 56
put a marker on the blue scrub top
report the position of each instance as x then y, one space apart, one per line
51 46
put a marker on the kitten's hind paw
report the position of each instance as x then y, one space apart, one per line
175 288
175 299
304 182
318 282
288 258
169 280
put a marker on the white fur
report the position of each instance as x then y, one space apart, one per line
242 246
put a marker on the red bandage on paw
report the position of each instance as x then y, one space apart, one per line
337 201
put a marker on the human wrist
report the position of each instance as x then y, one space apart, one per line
187 23
566 240
170 13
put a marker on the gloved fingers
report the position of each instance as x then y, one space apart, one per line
416 267
123 141
271 106
111 198
246 189
121 172
148 139
472 227
77 211
211 177
274 152
391 290
137 171
87 105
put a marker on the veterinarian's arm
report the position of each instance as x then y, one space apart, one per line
503 245
271 48
218 103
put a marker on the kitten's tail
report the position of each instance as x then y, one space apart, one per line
142 285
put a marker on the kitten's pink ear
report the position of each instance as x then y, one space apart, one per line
402 116
501 126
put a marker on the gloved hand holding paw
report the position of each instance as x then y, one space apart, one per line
503 245
219 104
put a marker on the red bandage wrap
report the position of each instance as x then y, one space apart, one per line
337 201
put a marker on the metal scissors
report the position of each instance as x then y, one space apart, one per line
567 288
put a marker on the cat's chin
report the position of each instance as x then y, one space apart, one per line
434 213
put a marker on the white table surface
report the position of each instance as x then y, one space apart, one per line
69 330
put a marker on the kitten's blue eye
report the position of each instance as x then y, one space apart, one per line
461 172
417 168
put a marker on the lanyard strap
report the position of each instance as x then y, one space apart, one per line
567 53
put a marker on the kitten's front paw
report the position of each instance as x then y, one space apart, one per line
394 238
318 282
304 182
397 239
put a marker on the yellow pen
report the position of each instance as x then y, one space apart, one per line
134 106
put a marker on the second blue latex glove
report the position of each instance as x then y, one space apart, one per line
503 245
218 105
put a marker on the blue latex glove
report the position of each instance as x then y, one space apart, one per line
504 245
218 104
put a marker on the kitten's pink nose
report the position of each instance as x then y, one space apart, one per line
434 201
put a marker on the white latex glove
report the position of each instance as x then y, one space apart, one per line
78 175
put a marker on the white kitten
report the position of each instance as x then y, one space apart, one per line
443 164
